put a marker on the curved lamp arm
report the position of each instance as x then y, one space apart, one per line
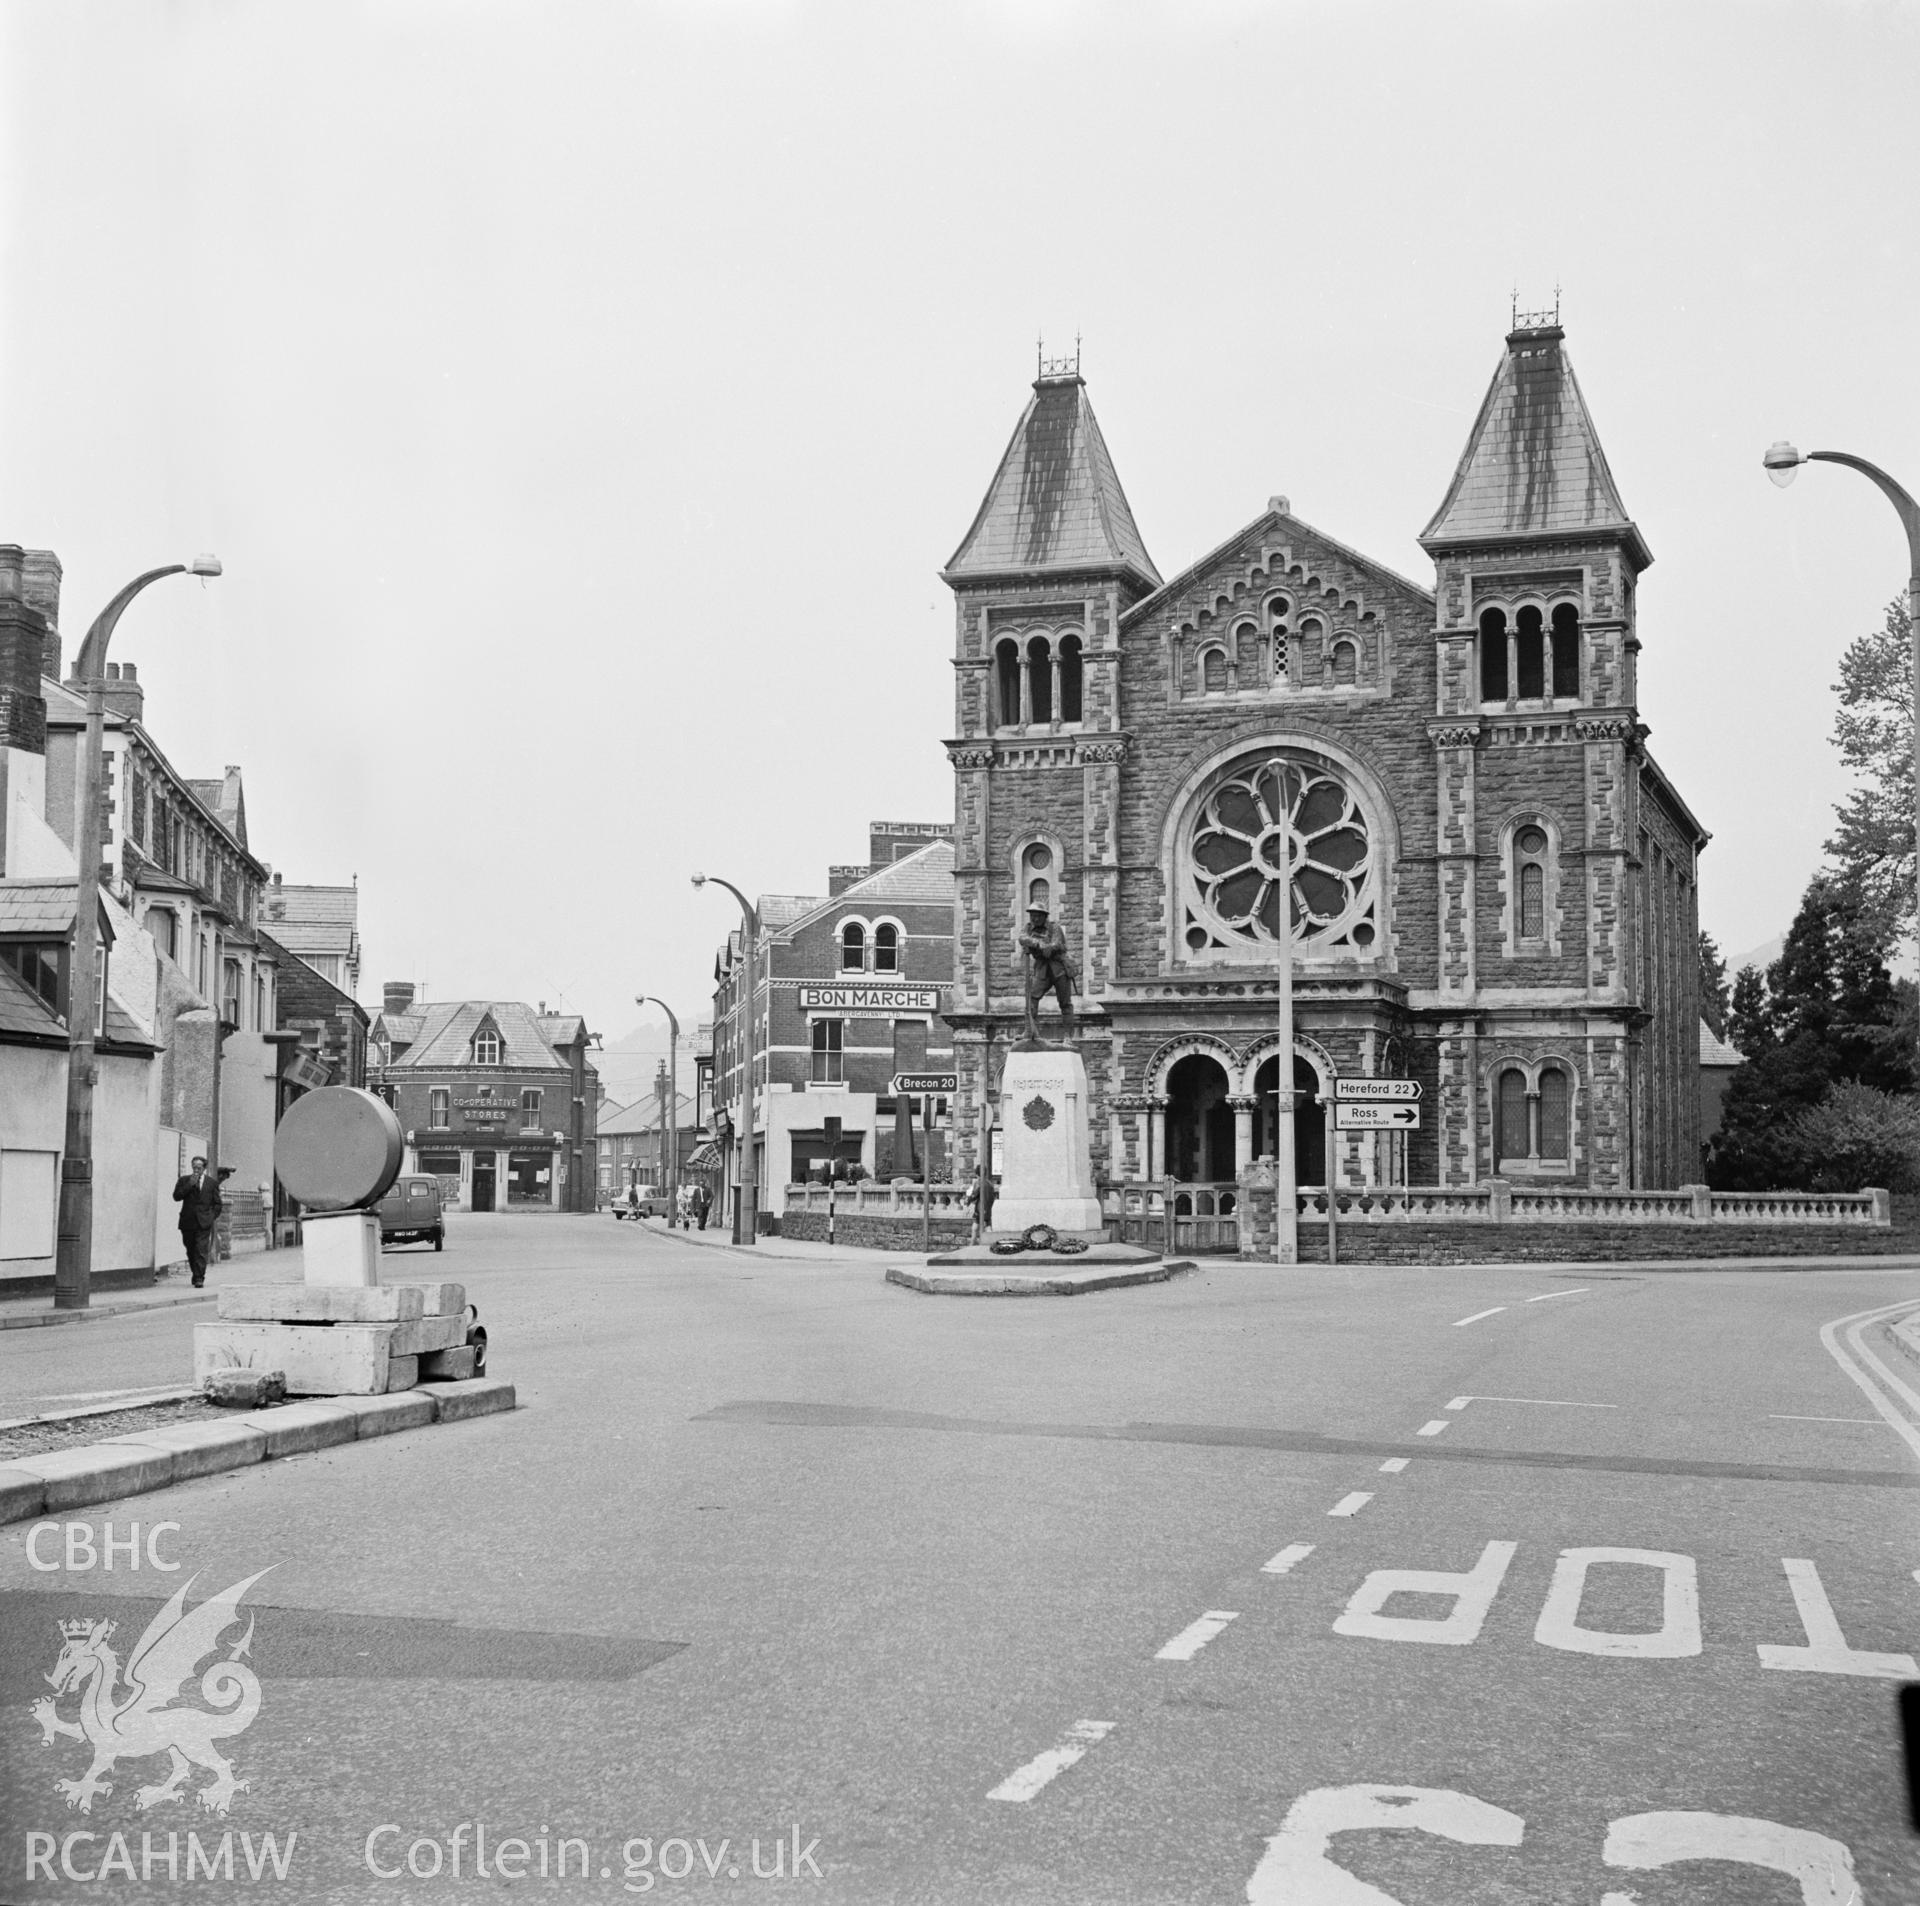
91 663
1894 492
746 906
653 999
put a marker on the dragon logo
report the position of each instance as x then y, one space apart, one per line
142 1718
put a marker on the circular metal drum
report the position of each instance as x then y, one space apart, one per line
338 1148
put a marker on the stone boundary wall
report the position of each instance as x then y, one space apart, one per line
872 1232
1457 1242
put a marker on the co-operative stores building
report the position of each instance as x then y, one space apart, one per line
1494 888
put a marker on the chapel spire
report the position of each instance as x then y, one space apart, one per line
1055 504
1533 468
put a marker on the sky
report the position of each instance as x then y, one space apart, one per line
583 397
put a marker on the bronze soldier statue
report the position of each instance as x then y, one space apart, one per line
1050 969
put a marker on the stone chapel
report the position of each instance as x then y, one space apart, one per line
1493 886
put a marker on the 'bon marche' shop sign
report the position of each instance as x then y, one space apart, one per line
877 1000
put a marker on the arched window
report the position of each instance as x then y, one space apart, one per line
1071 679
1006 677
1555 1097
1346 664
1246 655
1530 847
886 948
1493 655
1036 884
1311 654
1039 680
1280 639
853 947
1530 645
1511 1140
486 1048
1566 653
1213 672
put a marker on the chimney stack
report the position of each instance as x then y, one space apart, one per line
23 636
397 996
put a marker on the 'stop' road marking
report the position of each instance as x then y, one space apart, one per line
1191 1639
1284 1561
1477 1315
1024 1782
1548 1296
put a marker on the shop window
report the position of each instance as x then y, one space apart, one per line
853 947
828 1055
1072 679
1006 677
530 1109
1555 1121
886 948
440 1164
1566 653
1493 655
439 1108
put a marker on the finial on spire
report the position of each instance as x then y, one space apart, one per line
1532 320
1050 367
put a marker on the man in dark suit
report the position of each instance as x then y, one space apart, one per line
197 1193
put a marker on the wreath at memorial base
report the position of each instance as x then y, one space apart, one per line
1039 1237
1007 1247
1069 1247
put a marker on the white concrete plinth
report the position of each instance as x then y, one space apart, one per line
342 1247
1046 1158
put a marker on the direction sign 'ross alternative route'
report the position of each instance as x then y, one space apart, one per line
1375 1091
1375 1118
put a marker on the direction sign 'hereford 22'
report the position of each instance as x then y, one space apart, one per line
1376 1091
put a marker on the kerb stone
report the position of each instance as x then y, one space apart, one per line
296 1428
477 1396
201 1449
99 1473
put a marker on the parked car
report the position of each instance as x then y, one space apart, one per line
652 1203
413 1212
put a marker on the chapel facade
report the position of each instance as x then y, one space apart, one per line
1493 884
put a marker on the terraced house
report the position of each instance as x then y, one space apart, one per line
1492 885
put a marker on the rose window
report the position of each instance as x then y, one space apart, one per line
1244 835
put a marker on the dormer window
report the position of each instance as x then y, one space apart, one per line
486 1048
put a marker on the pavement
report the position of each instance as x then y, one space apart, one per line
1487 1585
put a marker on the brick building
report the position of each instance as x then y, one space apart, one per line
497 1100
1493 886
850 988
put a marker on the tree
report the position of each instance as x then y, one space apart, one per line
1857 1136
1713 986
1830 1015
1873 845
1748 1026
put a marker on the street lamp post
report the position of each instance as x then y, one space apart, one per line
73 1260
1286 1192
746 1221
673 1101
1782 463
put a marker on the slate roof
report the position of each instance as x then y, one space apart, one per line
1055 503
448 1026
1533 466
560 1029
924 877
312 906
23 1011
1714 1051
643 1115
42 909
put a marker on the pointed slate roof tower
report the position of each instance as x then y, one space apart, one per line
1533 469
1055 505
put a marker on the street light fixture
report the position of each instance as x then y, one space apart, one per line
673 1101
1782 463
73 1260
746 1216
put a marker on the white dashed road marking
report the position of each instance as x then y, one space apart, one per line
1432 1429
1542 1402
1353 1504
1284 1561
1547 1297
1024 1782
1477 1315
1191 1639
1393 1465
1872 1422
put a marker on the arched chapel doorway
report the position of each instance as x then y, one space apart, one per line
1199 1122
1309 1121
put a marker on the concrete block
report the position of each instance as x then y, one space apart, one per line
341 1248
321 1304
382 1415
202 1449
296 1428
441 1300
450 1366
99 1472
425 1334
246 1389
319 1359
476 1396
402 1374
22 1494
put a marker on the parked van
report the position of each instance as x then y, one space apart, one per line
412 1212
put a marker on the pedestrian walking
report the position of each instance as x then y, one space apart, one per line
702 1199
197 1193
